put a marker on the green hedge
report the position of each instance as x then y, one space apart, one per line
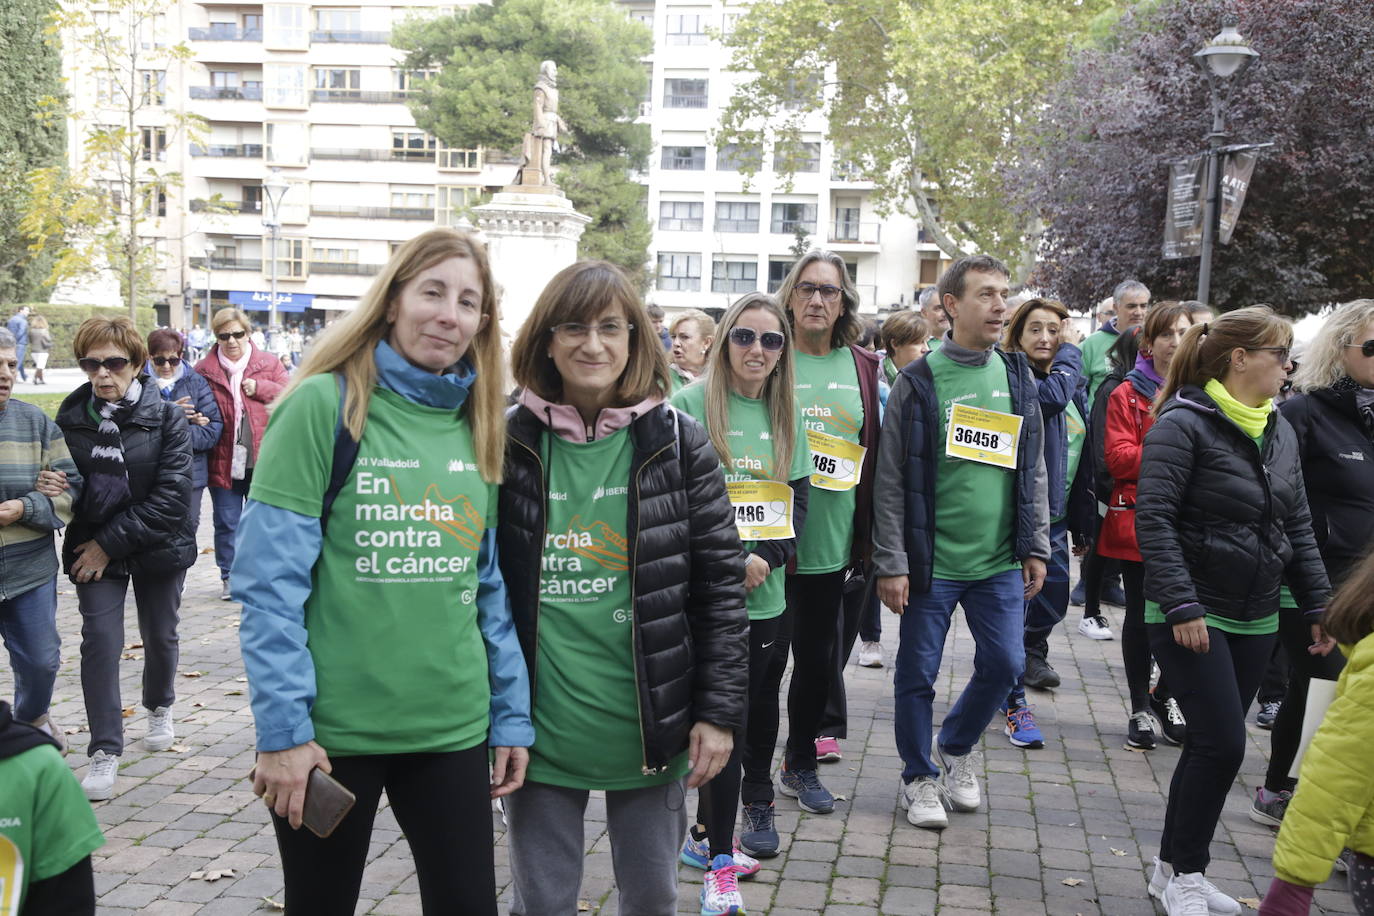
63 320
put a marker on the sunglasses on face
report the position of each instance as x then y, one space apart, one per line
745 337
237 335
1366 349
166 360
92 366
1281 352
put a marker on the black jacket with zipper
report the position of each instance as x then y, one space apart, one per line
153 532
691 631
1221 525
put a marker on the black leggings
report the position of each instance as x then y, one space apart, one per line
718 799
442 803
761 734
1295 634
1135 642
1093 573
860 595
815 603
1214 688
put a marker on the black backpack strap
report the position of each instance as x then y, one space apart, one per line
345 456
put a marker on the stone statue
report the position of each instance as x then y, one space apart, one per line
542 140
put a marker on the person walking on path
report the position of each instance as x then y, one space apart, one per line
245 378
183 386
377 636
747 405
962 444
40 347
18 325
1222 521
132 526
626 573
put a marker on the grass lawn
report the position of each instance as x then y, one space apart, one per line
48 403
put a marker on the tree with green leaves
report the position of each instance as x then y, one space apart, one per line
33 134
928 100
100 217
485 60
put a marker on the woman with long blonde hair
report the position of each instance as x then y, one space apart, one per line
376 633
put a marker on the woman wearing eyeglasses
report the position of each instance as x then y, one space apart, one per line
183 386
626 577
244 379
1222 521
132 524
748 408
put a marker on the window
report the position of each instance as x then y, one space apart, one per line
412 198
252 22
225 79
735 157
453 200
337 83
452 159
846 224
154 200
153 144
106 88
290 258
284 86
679 271
287 143
788 218
802 92
728 22
687 29
684 158
737 216
412 145
334 255
342 23
410 80
152 31
734 276
680 215
286 27
252 199
152 87
797 157
777 272
683 93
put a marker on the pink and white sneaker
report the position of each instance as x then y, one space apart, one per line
828 749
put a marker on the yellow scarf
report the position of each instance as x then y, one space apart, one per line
1251 420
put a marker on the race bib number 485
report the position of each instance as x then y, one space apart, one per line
835 463
986 436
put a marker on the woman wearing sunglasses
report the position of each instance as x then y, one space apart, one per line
132 524
747 405
183 386
1221 520
244 379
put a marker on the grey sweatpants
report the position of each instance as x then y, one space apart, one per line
646 828
158 598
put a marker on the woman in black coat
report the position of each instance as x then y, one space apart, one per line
131 524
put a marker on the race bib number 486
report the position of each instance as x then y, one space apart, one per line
763 509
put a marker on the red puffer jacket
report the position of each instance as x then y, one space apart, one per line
271 378
1128 420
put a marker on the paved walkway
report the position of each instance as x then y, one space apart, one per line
1066 830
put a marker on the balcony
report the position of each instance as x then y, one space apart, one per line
855 233
352 38
243 93
242 151
359 96
226 31
218 263
375 155
792 226
415 213
684 101
345 268
231 206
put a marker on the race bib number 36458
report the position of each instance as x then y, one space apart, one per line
986 436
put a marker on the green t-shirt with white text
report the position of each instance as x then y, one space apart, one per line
829 400
1077 433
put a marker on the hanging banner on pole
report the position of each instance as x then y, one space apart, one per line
1183 210
1235 181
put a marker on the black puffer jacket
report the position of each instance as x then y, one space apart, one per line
691 632
1338 463
1220 525
153 533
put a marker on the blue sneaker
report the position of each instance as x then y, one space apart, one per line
1021 727
720 894
760 836
1078 595
697 854
805 786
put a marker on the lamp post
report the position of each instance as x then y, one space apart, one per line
1224 60
274 189
209 256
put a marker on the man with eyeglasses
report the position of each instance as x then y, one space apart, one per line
965 520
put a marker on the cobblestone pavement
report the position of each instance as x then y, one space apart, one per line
1068 829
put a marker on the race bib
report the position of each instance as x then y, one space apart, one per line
835 463
986 436
763 509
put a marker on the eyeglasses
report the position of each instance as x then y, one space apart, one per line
92 366
572 332
745 337
1366 349
1282 352
237 335
166 360
806 290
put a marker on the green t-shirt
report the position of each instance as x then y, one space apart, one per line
46 824
1078 432
1263 626
975 520
828 397
751 452
1096 361
586 700
935 342
400 664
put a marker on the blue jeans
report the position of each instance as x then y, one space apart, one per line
995 611
1047 609
227 503
19 351
28 625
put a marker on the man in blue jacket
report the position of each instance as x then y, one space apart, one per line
19 327
962 445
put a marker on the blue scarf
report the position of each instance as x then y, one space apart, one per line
1144 377
448 390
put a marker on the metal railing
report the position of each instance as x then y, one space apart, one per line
346 268
375 155
844 230
224 32
217 263
352 38
201 205
737 225
684 101
242 151
360 96
242 93
734 284
416 213
790 226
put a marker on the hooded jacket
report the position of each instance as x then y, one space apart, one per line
190 384
271 378
1128 418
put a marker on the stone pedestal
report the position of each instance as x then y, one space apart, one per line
531 234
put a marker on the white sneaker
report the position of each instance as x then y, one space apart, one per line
160 732
1182 894
961 781
923 800
46 725
100 779
871 655
1095 628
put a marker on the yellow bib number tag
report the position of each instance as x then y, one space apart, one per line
986 436
763 509
835 463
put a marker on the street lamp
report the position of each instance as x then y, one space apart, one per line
274 189
1224 61
209 256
